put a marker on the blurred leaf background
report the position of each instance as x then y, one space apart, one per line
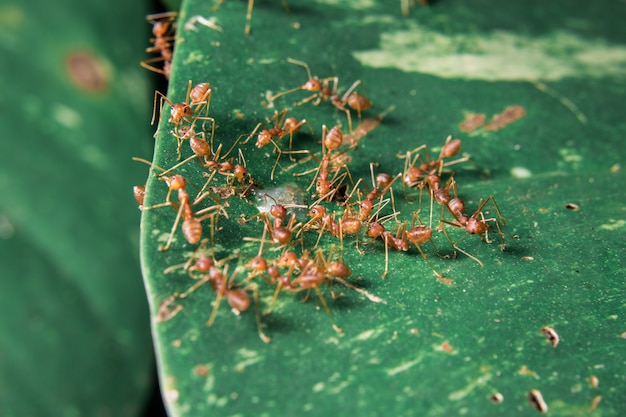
74 108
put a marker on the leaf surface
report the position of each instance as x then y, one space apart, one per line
74 327
435 346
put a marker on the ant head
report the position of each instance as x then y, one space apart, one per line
258 263
366 205
322 187
240 172
375 230
412 176
313 85
278 211
263 138
178 112
287 259
161 28
475 226
175 182
317 212
383 180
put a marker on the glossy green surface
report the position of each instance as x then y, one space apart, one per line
74 336
432 348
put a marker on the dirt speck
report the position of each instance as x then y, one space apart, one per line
496 398
536 400
201 370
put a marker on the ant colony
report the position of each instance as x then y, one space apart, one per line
296 241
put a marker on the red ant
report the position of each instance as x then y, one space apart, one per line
472 224
311 277
163 28
203 150
413 175
381 184
196 98
402 240
279 232
322 92
192 226
324 187
225 287
283 126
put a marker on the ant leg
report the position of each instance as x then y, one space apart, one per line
154 105
255 295
438 274
251 134
249 16
178 165
332 322
386 257
146 64
455 244
174 227
201 282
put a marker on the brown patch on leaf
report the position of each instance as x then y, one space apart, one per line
509 115
87 72
472 122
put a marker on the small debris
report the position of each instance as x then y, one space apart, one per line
525 371
445 280
536 400
201 370
594 381
528 258
594 403
167 309
496 398
210 23
446 347
572 206
551 335
615 168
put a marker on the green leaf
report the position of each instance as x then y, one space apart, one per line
435 346
74 328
